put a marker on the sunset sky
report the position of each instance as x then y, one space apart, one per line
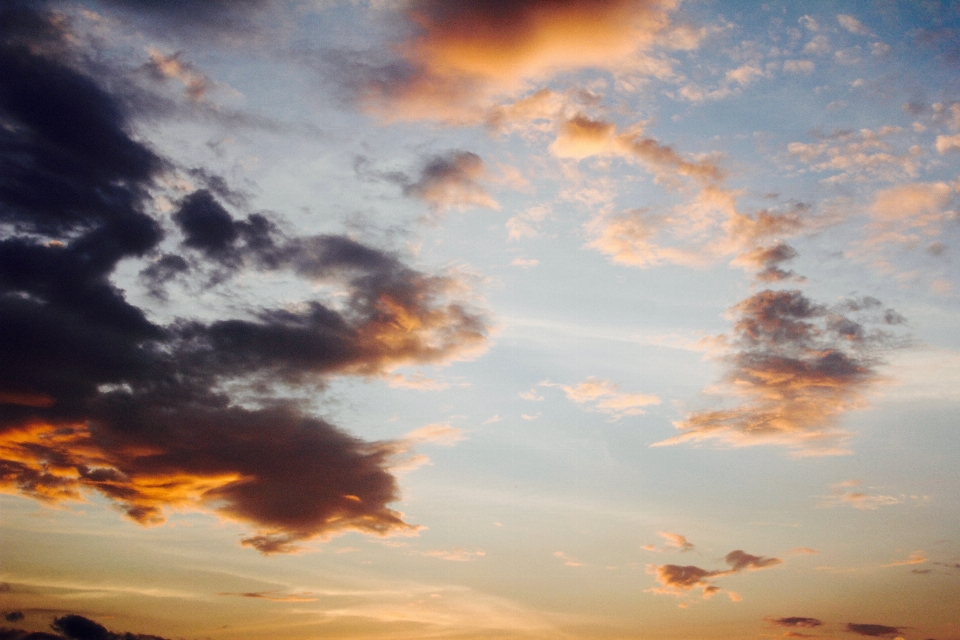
466 319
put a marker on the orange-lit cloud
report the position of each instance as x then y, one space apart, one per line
917 557
846 493
165 67
605 397
677 541
677 580
867 154
462 57
796 366
910 215
766 262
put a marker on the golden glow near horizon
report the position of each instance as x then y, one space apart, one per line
503 319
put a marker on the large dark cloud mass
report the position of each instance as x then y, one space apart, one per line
96 396
74 627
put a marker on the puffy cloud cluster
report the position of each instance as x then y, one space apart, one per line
677 580
796 366
95 396
74 627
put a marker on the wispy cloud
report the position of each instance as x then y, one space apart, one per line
604 396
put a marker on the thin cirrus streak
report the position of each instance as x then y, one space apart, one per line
97 397
795 365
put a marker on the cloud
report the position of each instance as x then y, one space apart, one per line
438 433
872 630
452 181
945 144
740 560
567 560
909 215
917 557
676 580
677 541
805 67
459 60
605 397
581 137
867 154
225 20
454 555
767 261
853 25
166 67
795 366
795 621
272 596
74 627
844 493
97 397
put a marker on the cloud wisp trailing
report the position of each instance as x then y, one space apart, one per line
796 366
98 397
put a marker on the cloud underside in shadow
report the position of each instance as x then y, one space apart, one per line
95 396
795 366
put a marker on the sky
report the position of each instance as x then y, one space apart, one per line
405 319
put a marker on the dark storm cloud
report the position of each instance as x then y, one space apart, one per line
872 630
13 616
94 396
796 365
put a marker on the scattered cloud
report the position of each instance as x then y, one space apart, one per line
676 541
796 366
917 557
796 621
872 630
452 181
677 580
605 397
567 560
846 493
454 555
272 596
853 25
438 433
